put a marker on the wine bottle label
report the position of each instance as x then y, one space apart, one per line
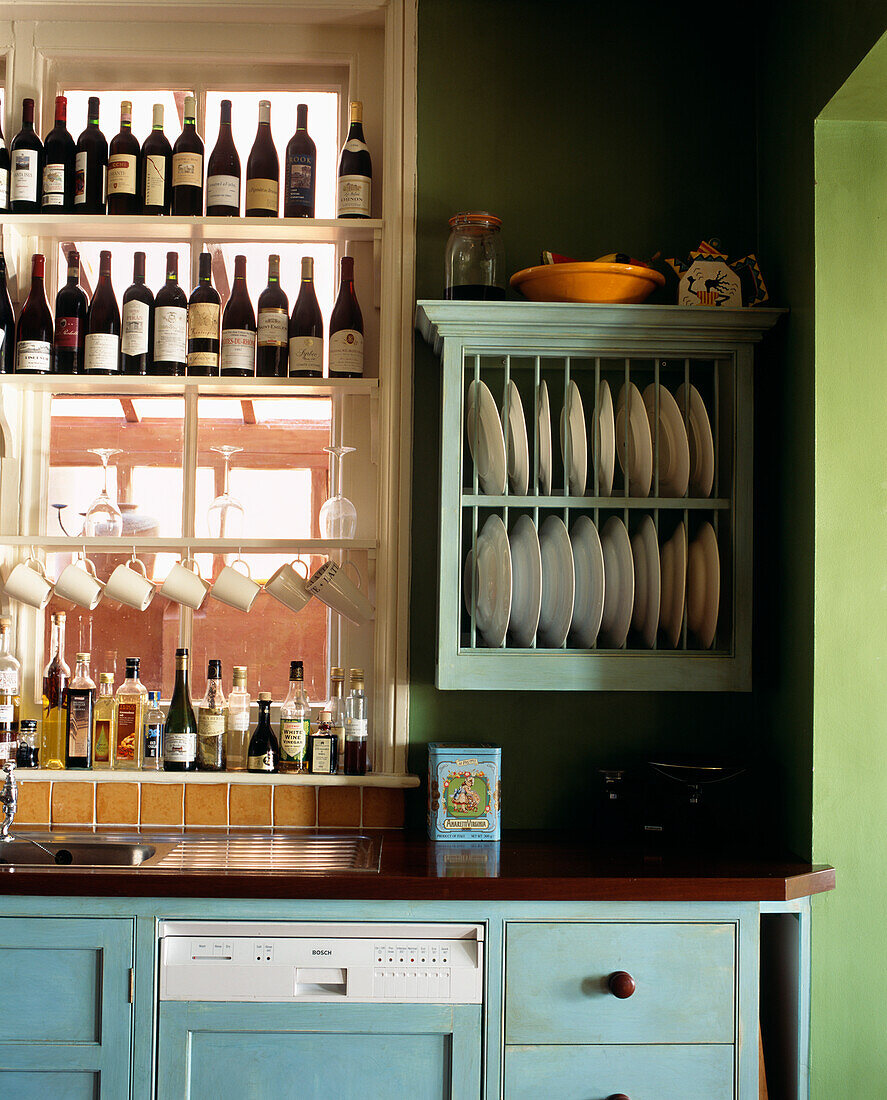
102 740
187 170
32 355
272 328
294 739
8 681
204 359
104 183
79 723
54 185
210 725
155 179
238 721
24 176
355 729
179 748
354 196
4 188
238 349
102 352
7 713
134 328
355 145
203 321
346 352
127 721
262 195
300 173
306 353
170 328
322 756
264 763
80 178
223 191
122 174
67 332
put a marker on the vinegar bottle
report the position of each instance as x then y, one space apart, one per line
55 697
356 726
238 721
81 701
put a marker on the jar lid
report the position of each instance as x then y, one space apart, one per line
476 217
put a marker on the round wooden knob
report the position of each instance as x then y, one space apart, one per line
619 1096
621 984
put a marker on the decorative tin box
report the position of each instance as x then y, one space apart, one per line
464 791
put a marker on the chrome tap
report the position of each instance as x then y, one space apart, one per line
8 800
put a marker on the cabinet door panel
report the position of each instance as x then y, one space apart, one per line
33 1085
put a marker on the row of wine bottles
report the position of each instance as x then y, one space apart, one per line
59 176
171 334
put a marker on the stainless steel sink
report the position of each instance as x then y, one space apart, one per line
74 852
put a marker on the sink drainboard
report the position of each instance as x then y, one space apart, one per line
305 855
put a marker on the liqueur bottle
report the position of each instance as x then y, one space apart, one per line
239 327
10 697
337 709
272 326
130 705
26 165
212 722
156 186
238 721
354 195
170 324
137 322
262 755
295 723
4 174
306 328
187 166
91 165
223 170
180 731
203 323
356 726
154 719
300 171
102 354
263 170
123 166
55 697
81 702
323 748
33 331
346 328
60 153
68 346
103 735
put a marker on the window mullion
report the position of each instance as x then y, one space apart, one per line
189 497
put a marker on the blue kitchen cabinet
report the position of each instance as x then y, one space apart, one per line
67 1019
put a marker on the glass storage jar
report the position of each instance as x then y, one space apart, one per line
474 261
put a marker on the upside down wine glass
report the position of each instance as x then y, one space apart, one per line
224 517
338 516
103 518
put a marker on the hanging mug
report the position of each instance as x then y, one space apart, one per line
288 587
129 585
332 586
185 585
27 583
80 585
234 588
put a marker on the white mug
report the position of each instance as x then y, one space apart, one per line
27 583
234 588
330 584
129 585
185 585
288 587
80 585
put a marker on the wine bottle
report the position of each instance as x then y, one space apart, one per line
263 752
203 323
55 697
58 164
4 173
239 327
103 324
7 324
91 165
69 345
180 731
306 328
123 166
263 170
301 167
81 703
137 322
272 326
33 331
26 159
156 187
223 171
170 324
187 166
212 722
346 328
355 171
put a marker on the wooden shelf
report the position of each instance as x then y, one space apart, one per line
106 385
106 775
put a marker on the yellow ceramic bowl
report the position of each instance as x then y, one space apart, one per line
587 282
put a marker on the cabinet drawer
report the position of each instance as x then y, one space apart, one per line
640 1073
556 983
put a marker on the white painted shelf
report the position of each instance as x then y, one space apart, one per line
107 385
160 544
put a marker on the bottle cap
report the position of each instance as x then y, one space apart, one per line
337 673
356 673
83 657
326 716
106 678
154 697
214 670
58 616
28 725
5 623
307 267
133 662
240 676
158 114
190 106
125 111
181 652
264 696
296 672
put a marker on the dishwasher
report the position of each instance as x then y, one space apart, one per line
318 1010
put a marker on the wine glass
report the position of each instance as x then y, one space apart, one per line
103 517
338 516
225 515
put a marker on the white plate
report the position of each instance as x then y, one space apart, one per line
492 578
605 439
543 422
558 583
515 428
637 457
647 581
485 439
704 585
588 568
674 450
618 583
526 587
673 568
702 448
576 462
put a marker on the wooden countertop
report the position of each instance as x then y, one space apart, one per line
524 866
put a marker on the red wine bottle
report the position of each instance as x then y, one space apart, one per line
69 345
203 323
137 322
103 324
58 164
7 324
4 173
123 166
156 186
263 170
346 328
272 326
223 171
301 167
91 164
355 171
239 327
187 166
170 324
26 158
306 328
33 332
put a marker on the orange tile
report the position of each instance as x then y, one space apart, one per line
33 802
117 804
295 806
338 806
382 808
73 803
249 805
206 804
162 803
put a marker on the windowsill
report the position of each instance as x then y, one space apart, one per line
105 775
